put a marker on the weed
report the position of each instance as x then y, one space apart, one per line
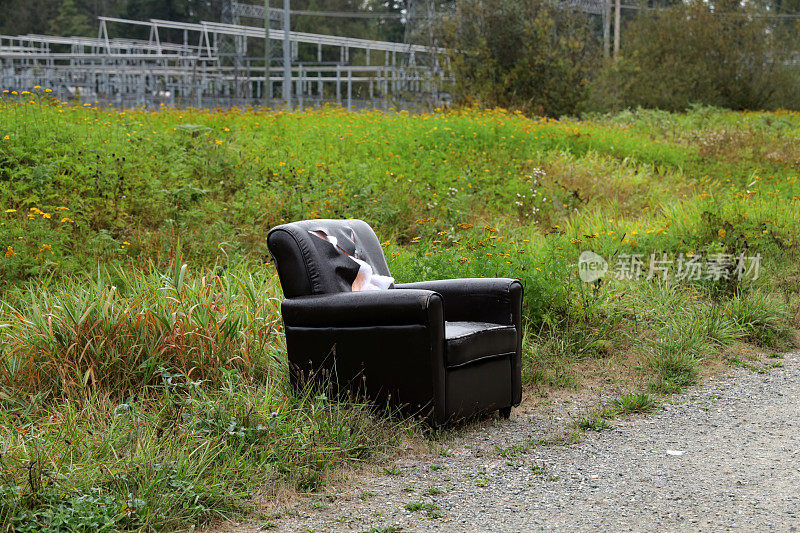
607 412
675 357
539 470
430 510
594 423
763 318
634 403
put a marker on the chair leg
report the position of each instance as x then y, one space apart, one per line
505 412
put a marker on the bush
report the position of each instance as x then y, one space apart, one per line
710 53
531 55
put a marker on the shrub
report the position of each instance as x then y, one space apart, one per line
532 55
716 53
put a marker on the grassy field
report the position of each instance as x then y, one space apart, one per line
143 378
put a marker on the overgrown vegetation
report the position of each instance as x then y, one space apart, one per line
722 53
136 392
531 55
160 400
543 57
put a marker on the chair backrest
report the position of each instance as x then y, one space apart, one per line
309 264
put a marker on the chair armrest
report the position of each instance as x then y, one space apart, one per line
496 300
365 308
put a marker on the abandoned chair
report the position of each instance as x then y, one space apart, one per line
447 349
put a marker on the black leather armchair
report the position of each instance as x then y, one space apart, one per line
447 349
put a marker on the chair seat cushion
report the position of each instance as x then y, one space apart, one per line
467 342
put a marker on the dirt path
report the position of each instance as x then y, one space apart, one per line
723 456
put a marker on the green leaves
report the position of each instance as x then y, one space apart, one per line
530 55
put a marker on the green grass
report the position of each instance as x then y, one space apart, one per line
761 317
594 423
175 406
430 510
627 404
182 452
143 379
634 403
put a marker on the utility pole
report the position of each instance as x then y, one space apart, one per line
617 10
287 57
607 28
267 57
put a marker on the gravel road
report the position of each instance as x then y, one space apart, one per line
722 456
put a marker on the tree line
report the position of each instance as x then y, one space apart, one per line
544 58
79 17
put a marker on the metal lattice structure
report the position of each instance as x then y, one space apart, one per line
193 64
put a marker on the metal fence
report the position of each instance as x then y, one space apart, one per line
208 65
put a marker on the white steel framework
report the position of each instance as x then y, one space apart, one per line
185 64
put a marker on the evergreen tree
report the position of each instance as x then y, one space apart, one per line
70 20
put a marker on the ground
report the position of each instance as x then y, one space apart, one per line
722 456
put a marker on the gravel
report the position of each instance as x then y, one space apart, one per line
722 456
